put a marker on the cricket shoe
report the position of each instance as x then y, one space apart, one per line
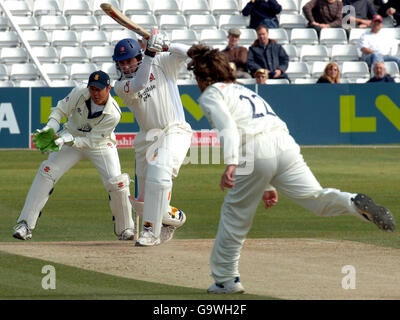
127 234
178 218
230 286
147 239
22 232
377 214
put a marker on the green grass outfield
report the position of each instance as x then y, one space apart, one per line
78 211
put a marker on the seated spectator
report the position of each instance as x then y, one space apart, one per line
390 8
364 11
236 54
380 74
323 14
331 74
262 12
267 54
375 45
261 76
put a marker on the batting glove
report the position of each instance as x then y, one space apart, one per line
157 42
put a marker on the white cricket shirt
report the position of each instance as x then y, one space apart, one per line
156 103
239 114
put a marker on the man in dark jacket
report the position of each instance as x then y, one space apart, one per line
380 74
267 54
390 8
262 12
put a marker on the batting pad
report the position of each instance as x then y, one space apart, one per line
121 208
156 196
39 193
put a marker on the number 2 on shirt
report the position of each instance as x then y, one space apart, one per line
254 101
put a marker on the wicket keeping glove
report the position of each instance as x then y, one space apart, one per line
42 138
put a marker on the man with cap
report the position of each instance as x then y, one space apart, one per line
261 76
237 54
376 45
92 115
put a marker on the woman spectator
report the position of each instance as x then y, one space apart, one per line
331 74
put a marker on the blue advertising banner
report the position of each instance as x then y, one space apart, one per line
315 114
14 118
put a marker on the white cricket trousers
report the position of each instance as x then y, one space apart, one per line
51 170
291 176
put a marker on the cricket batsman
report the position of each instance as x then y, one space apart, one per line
148 87
92 115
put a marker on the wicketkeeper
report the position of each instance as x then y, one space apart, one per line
88 133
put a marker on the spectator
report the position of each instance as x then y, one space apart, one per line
380 74
376 45
262 12
261 76
390 9
323 14
364 10
331 74
267 54
236 54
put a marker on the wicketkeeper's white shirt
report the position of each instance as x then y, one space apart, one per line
90 129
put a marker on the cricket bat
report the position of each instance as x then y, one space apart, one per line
124 20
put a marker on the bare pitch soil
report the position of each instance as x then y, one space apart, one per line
283 268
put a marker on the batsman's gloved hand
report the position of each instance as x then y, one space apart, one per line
42 138
157 42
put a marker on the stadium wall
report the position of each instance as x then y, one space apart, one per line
315 114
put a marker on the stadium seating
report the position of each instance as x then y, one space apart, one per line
67 32
192 7
3 72
213 37
301 36
46 7
220 7
314 53
247 37
93 38
280 35
103 54
292 52
18 8
171 22
46 54
64 38
227 21
353 70
23 71
166 7
26 23
297 69
137 7
82 71
198 22
56 71
76 7
13 55
289 6
184 36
